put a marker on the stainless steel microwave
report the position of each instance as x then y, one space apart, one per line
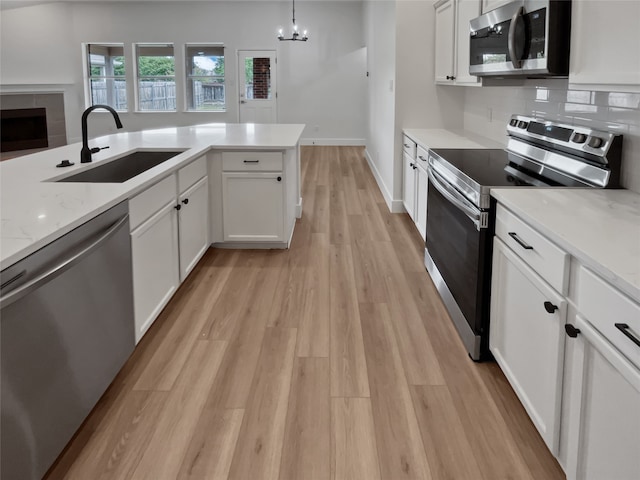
525 37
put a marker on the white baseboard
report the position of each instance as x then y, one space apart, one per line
348 142
394 206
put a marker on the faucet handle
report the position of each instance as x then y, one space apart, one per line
97 149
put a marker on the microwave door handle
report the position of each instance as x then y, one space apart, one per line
455 198
513 54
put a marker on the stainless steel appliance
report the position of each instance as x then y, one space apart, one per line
66 330
460 213
525 37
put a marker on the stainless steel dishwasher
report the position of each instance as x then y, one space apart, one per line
66 330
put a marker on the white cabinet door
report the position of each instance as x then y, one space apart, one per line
193 225
421 202
154 248
466 10
604 432
253 207
527 339
445 41
609 60
409 185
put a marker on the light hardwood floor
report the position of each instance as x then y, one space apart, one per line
332 360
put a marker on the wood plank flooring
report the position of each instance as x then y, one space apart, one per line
332 360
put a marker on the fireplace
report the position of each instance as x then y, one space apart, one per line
23 129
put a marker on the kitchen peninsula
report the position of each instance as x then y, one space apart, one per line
35 209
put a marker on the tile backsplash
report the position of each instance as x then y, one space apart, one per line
487 110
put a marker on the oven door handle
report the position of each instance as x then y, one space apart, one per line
456 199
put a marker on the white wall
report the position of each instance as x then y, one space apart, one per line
400 41
380 26
487 110
321 82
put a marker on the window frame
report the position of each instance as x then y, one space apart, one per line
188 93
88 77
138 77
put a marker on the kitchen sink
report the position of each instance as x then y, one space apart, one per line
123 168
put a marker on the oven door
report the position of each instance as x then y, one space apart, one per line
457 258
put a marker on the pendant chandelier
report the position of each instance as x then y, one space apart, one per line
295 34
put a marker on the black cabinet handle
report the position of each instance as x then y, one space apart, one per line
185 201
406 146
550 307
251 161
450 77
571 330
279 179
178 207
422 158
514 235
411 165
626 330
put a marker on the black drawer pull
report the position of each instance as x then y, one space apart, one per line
571 330
406 146
279 179
185 201
422 158
514 235
178 207
626 330
550 307
251 161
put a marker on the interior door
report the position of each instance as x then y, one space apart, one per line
257 85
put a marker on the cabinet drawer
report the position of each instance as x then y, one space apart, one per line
251 161
422 159
605 307
549 261
145 204
409 146
190 174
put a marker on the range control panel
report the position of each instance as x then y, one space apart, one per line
572 138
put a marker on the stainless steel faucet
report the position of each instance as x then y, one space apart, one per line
85 153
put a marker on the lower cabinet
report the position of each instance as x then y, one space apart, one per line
415 184
156 276
253 206
604 431
527 339
193 225
169 234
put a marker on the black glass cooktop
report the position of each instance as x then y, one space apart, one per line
485 166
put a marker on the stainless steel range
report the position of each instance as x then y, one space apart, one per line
461 213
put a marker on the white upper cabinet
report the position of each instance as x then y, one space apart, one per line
452 41
605 45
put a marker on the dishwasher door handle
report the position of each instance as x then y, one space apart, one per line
64 265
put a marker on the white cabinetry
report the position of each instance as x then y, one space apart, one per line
527 320
169 234
452 41
253 197
609 60
604 394
415 183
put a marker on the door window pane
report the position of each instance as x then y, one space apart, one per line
205 78
107 84
257 72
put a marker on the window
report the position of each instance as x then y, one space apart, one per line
106 72
156 77
205 78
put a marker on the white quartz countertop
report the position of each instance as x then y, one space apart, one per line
35 211
441 138
601 228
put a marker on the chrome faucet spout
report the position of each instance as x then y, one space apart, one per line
85 153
